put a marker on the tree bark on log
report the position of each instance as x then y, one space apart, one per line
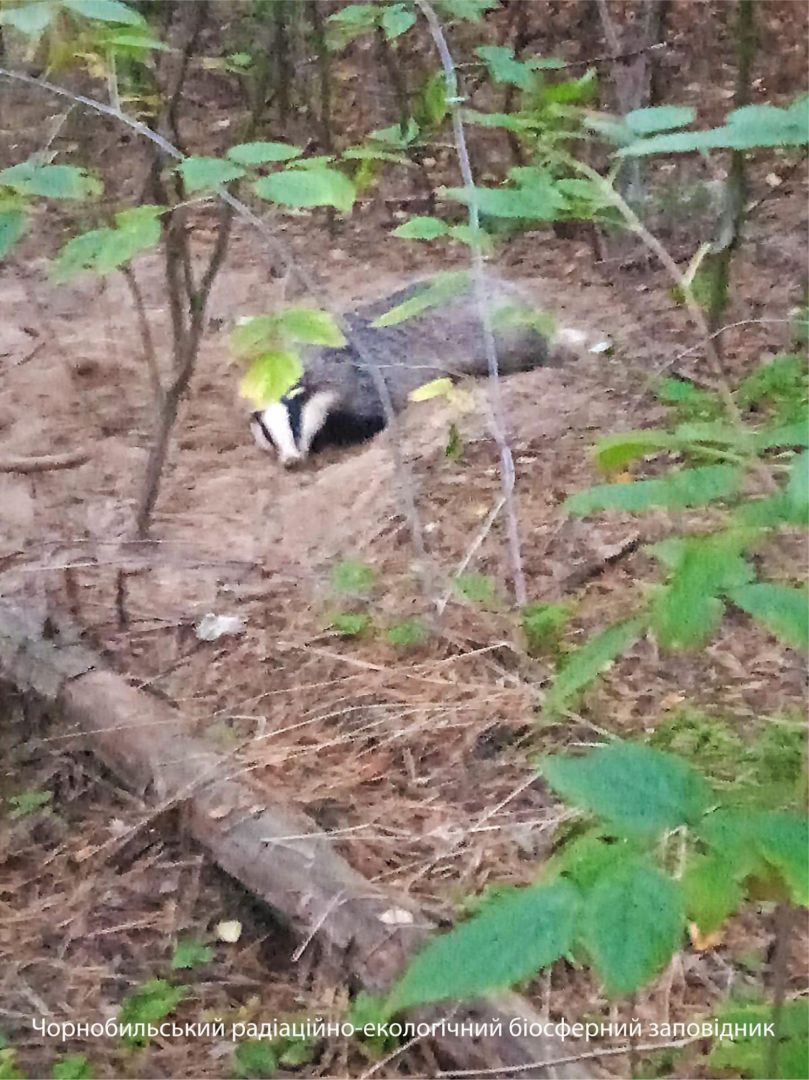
279 854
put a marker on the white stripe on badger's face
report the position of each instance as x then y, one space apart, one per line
275 423
313 416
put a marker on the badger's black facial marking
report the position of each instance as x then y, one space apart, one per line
294 403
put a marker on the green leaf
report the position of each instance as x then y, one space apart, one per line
615 451
394 136
587 662
353 577
430 106
199 173
515 935
259 153
310 326
422 228
396 19
477 588
112 11
587 858
50 181
407 633
189 953
796 434
72 1067
105 250
687 487
752 841
659 118
80 253
783 840
350 623
364 15
503 68
270 376
254 1060
730 835
435 388
149 1004
711 891
30 19
539 200
12 226
507 121
641 792
136 40
687 611
254 335
748 128
632 924
307 187
468 10
783 611
443 288
748 1055
579 91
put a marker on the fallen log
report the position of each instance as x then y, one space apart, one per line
279 854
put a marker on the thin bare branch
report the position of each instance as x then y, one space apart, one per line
45 463
149 354
496 413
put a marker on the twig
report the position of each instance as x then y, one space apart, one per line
45 463
496 416
149 355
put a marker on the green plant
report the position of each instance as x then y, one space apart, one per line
477 589
29 802
149 1004
190 953
758 482
352 577
350 624
663 849
543 624
254 1060
72 1067
407 633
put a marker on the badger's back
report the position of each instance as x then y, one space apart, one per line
446 339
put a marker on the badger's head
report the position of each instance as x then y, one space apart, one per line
289 427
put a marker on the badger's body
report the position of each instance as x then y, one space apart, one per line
337 401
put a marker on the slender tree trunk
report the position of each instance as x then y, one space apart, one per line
735 193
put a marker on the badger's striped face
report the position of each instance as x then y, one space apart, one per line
289 426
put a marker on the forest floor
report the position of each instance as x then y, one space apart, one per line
421 757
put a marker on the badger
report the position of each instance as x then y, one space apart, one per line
337 400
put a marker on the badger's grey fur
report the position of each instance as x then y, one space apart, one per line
337 401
